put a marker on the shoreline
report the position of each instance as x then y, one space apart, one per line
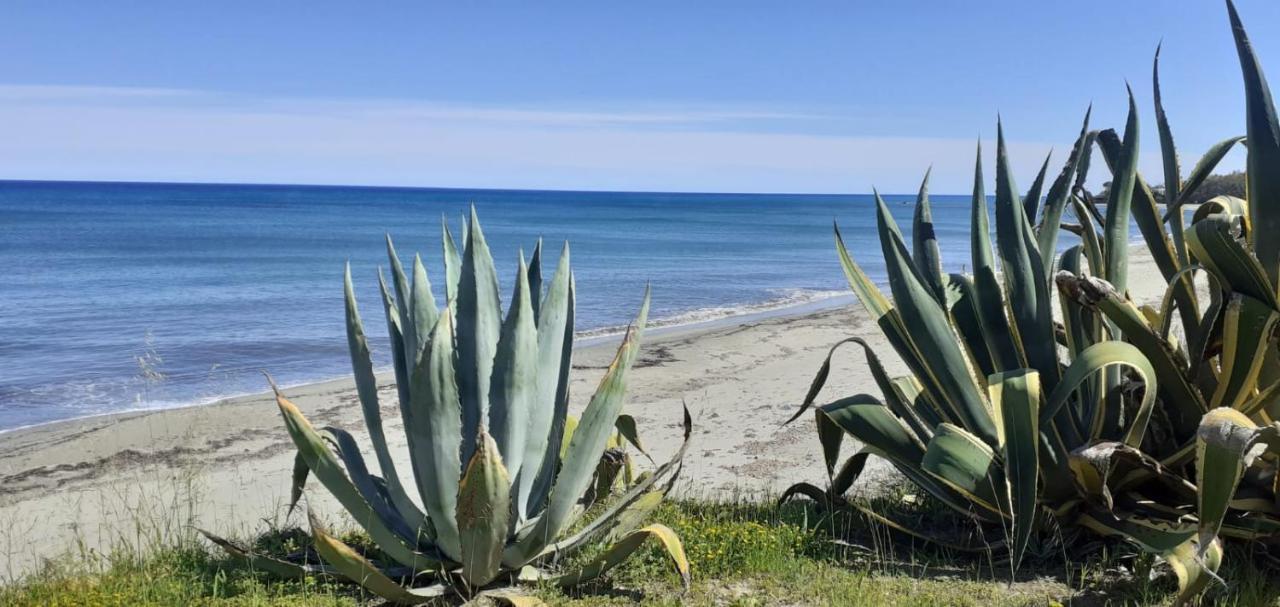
91 483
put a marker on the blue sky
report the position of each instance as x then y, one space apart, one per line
706 96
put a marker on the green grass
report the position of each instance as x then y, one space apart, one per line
743 553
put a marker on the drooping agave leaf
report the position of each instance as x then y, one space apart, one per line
849 473
594 428
433 429
1194 568
514 391
297 481
928 258
1169 156
620 551
484 505
1060 193
261 562
324 465
868 420
990 305
1023 272
1116 230
931 333
1031 203
353 566
479 326
1016 398
626 426
1094 359
555 351
1103 468
1226 445
367 392
1262 167
965 463
1249 334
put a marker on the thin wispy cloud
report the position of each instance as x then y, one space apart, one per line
121 133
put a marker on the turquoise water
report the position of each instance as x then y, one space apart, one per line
135 296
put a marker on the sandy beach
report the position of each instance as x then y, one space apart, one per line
123 480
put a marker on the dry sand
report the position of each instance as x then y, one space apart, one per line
126 480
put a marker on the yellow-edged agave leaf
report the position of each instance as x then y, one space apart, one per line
1194 568
1227 443
1059 194
924 242
1170 164
963 306
324 465
1102 469
514 389
1004 350
931 333
1200 172
1095 359
1116 230
865 418
353 566
1213 243
1150 534
1248 335
484 506
479 324
433 430
965 463
1016 397
1262 167
620 551
1027 292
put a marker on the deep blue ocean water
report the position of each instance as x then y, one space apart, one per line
131 296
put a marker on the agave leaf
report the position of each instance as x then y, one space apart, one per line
1116 230
1102 469
1262 167
967 322
484 505
849 473
353 566
514 391
324 465
479 326
1025 284
1031 202
297 481
1172 171
369 486
1151 534
928 258
1213 244
626 426
1016 397
1089 238
535 279
1200 172
367 391
403 291
620 551
260 562
433 429
1194 568
866 419
1093 360
1227 443
594 428
1060 193
422 305
1249 334
555 353
932 335
965 463
452 266
399 361
989 304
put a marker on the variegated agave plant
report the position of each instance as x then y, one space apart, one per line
501 472
1102 423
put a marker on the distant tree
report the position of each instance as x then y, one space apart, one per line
1230 184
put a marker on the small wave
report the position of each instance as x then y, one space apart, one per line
785 299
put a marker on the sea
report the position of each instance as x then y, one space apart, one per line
133 296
